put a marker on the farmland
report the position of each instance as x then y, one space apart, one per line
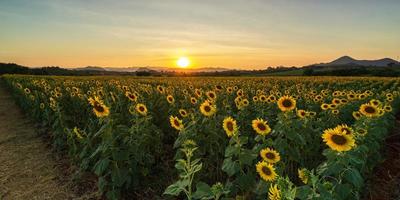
216 138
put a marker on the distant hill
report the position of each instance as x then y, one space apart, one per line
347 60
90 68
164 69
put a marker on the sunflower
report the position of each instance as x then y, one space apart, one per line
183 112
207 109
362 131
301 113
332 106
312 114
286 103
170 99
266 171
338 141
324 106
388 108
245 102
357 115
141 109
99 109
369 110
193 100
198 92
255 99
351 96
260 126
336 101
303 175
176 123
229 89
131 96
211 95
335 111
344 129
270 155
274 193
317 98
230 126
381 112
375 102
272 98
263 98
160 89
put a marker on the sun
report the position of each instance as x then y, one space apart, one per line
183 62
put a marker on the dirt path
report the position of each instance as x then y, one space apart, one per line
27 169
385 182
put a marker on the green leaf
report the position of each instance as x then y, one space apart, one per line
246 181
304 192
231 150
342 191
230 167
354 177
101 166
247 156
174 189
203 190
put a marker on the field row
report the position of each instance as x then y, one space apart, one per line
217 138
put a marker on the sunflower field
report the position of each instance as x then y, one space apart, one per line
216 138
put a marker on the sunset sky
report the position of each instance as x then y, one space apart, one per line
245 34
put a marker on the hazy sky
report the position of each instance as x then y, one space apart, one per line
212 33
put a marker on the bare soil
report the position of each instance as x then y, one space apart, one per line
385 182
28 169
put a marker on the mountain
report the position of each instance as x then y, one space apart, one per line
347 60
158 69
90 68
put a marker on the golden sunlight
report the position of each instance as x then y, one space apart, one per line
183 62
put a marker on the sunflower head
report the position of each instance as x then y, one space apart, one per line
336 101
274 193
170 99
369 110
211 95
335 111
338 141
99 109
362 131
286 103
193 100
357 115
344 129
141 109
303 175
230 126
375 102
266 171
270 155
207 109
301 113
131 96
183 112
160 89
176 123
260 126
387 108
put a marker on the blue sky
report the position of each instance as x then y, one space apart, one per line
229 33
